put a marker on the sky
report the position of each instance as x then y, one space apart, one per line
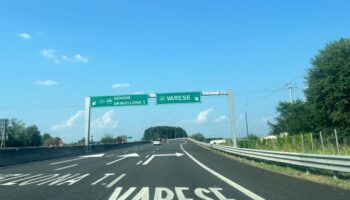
56 53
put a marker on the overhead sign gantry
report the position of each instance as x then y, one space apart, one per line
161 98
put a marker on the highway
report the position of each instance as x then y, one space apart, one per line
178 169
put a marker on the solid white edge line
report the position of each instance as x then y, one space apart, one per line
69 166
115 181
226 180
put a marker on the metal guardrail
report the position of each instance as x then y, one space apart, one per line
326 162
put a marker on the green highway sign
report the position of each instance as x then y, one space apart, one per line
119 100
179 97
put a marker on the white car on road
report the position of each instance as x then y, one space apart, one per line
156 142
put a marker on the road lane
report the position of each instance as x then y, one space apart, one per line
268 184
165 176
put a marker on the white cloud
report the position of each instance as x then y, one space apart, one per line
24 36
77 58
222 118
50 54
106 121
121 85
53 55
70 122
203 116
46 83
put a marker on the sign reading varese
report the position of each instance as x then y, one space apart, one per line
180 97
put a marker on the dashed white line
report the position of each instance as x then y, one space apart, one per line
147 156
226 180
55 163
109 156
115 181
139 162
69 166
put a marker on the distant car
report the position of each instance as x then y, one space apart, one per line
156 142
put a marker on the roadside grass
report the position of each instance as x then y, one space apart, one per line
295 144
341 180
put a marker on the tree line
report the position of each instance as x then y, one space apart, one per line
168 132
327 104
20 135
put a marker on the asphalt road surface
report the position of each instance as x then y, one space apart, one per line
179 169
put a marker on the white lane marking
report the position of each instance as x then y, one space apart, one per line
131 155
93 156
104 177
147 156
115 181
161 155
116 160
226 180
139 162
55 163
109 156
69 166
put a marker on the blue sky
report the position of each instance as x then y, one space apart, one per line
55 53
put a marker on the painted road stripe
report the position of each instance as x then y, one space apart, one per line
116 160
104 177
221 177
109 156
55 163
139 162
69 166
147 156
115 181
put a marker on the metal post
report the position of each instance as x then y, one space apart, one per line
290 88
312 142
321 141
232 125
302 142
246 121
336 139
87 122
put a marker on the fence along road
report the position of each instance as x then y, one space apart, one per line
179 169
327 162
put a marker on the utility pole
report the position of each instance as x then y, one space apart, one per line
246 120
290 89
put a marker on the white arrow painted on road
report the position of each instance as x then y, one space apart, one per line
161 155
79 158
131 155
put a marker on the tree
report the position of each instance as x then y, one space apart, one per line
158 132
32 136
198 137
16 133
328 91
293 118
107 139
47 140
